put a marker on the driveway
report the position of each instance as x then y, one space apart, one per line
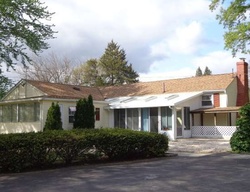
199 145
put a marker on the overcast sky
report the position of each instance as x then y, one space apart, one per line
162 38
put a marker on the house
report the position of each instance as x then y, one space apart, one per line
205 106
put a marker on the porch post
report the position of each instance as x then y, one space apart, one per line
174 124
215 119
201 118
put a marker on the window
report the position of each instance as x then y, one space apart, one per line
132 119
97 114
72 111
25 112
207 100
166 118
28 112
119 118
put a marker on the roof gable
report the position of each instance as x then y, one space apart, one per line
57 90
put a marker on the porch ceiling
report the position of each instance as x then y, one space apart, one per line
150 100
217 110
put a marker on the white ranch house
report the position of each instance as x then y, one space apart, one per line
205 106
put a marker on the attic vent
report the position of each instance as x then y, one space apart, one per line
172 97
76 88
150 98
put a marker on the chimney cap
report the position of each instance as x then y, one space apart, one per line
242 59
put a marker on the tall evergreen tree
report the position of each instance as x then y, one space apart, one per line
198 72
85 114
90 120
207 71
80 113
53 120
114 66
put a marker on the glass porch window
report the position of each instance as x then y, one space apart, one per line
119 118
166 118
132 119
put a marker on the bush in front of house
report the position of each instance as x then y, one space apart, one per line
26 151
120 144
53 120
240 140
85 114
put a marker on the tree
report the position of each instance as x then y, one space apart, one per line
115 68
240 140
234 16
5 85
50 68
88 74
207 71
53 120
90 119
22 28
198 72
79 114
85 114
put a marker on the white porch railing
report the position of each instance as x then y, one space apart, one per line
213 131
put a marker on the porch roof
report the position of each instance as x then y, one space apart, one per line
150 100
217 110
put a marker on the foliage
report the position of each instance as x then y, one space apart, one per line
80 114
198 72
25 151
207 71
88 74
5 85
114 67
21 28
90 115
85 114
53 120
234 17
49 68
240 140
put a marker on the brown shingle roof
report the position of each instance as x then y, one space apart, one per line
57 90
210 82
202 83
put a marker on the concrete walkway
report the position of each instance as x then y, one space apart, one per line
197 145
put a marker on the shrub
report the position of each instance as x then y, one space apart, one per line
85 114
240 140
53 120
22 151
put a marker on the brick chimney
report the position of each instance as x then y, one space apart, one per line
242 83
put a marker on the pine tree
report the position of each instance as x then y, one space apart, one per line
80 114
207 71
90 120
198 72
53 120
114 67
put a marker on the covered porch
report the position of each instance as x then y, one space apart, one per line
219 122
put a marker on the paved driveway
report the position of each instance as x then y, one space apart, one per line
198 145
218 172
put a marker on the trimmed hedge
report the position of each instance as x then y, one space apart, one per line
25 151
